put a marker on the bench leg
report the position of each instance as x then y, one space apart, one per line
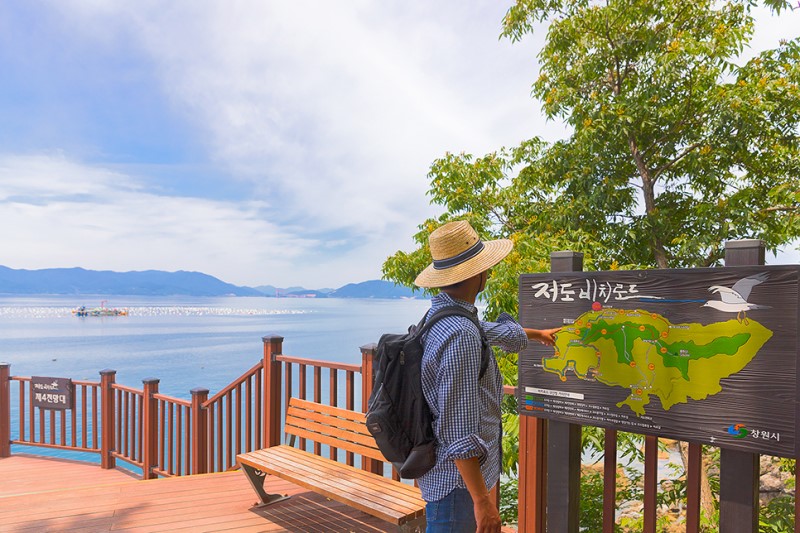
256 479
414 526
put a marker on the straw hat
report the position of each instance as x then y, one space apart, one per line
458 254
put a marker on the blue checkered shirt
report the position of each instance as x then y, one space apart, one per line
466 411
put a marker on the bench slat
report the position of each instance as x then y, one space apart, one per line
385 494
347 414
373 494
337 443
357 428
300 411
404 491
346 440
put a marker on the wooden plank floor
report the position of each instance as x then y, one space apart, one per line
38 495
22 474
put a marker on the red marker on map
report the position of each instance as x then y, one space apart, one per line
597 306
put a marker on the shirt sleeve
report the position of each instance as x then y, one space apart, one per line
506 333
459 396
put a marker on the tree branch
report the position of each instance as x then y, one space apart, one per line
775 208
671 163
714 254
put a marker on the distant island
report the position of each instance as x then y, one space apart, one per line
160 283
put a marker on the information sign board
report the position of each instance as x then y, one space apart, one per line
703 355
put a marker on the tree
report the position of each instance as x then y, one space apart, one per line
676 145
676 148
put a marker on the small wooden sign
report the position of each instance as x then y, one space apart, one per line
52 393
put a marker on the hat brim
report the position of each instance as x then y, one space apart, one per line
493 252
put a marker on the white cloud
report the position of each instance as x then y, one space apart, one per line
333 112
112 224
33 177
338 109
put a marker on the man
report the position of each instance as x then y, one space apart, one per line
466 409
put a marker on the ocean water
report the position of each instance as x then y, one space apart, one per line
187 342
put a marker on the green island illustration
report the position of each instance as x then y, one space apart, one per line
646 354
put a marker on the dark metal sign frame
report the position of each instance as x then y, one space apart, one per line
701 355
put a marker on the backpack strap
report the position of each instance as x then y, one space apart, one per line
427 323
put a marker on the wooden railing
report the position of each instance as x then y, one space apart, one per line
173 446
57 429
128 424
315 371
167 436
234 416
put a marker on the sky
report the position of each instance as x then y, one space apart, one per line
265 142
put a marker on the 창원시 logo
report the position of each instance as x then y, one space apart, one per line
738 431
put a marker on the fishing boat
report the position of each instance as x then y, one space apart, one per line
99 311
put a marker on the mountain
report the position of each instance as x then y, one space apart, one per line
145 283
270 290
374 289
367 289
181 283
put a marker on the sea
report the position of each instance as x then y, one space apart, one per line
187 342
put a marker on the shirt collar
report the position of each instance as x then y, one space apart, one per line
443 300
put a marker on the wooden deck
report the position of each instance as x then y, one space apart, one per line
40 494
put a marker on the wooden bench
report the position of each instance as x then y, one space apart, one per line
393 501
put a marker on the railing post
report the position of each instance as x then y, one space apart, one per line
367 383
107 415
149 428
563 444
650 484
273 347
367 373
609 480
531 482
199 431
739 471
5 410
694 480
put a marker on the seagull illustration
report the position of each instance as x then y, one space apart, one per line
734 299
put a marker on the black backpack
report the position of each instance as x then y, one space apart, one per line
398 415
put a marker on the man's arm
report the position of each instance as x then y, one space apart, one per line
506 333
486 514
545 336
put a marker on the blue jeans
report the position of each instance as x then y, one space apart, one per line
452 514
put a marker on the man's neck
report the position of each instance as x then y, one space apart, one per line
461 293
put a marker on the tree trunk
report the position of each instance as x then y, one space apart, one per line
648 191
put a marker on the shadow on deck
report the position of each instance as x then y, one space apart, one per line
42 494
